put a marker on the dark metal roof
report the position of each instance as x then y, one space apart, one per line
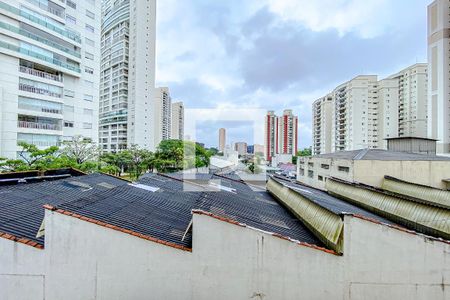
21 205
378 154
166 213
329 202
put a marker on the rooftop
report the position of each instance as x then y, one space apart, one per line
378 154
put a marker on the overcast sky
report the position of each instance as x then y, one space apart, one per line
277 54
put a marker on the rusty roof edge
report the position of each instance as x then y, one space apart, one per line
233 222
397 227
24 241
116 228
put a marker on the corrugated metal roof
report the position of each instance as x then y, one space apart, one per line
418 193
166 213
426 219
21 206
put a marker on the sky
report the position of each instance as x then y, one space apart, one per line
279 54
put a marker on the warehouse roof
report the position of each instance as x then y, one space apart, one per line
160 206
21 205
329 202
378 154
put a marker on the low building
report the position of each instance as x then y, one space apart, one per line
370 166
100 237
412 145
281 159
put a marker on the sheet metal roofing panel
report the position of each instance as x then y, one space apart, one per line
21 206
326 225
166 213
419 193
331 203
426 219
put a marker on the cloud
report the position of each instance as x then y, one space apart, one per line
277 54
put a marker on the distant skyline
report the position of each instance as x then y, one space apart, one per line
277 54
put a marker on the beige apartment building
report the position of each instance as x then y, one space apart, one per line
162 111
177 130
322 111
439 74
365 111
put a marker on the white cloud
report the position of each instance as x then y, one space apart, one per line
368 18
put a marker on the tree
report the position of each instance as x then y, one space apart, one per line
304 152
80 150
36 158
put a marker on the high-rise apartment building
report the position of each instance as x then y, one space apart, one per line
127 74
162 113
354 118
412 101
177 130
322 118
281 134
49 74
365 111
241 148
388 110
439 74
222 139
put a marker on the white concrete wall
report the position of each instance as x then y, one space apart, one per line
21 271
87 261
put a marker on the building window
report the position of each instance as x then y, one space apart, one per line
320 178
325 166
71 19
87 125
89 28
88 97
69 93
90 14
344 169
89 55
302 172
71 4
310 164
310 174
89 83
68 124
69 109
89 42
88 70
88 111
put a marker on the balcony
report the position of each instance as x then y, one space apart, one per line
37 125
31 89
39 39
41 74
39 56
64 32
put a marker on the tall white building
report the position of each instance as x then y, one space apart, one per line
439 74
49 72
322 118
365 111
162 115
354 118
388 110
412 101
127 74
177 130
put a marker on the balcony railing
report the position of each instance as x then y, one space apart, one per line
39 56
56 12
40 143
39 39
69 34
40 108
36 90
41 74
35 125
